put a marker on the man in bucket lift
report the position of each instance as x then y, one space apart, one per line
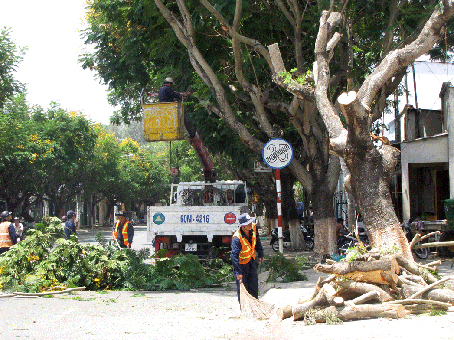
167 94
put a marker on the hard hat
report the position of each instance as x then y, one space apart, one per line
6 213
168 80
70 214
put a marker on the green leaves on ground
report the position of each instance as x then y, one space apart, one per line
286 269
45 260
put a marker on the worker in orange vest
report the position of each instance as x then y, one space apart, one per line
245 242
123 230
8 235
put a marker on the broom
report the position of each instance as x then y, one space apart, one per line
253 308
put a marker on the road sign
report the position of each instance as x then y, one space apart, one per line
277 153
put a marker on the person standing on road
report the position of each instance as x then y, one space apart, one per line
18 227
8 235
245 242
70 224
123 230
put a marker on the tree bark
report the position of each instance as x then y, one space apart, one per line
362 288
379 272
442 295
299 310
362 312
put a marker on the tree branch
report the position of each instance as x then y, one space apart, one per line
395 60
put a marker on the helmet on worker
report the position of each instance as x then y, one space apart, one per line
5 214
168 80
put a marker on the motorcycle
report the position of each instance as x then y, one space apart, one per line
422 253
308 238
347 240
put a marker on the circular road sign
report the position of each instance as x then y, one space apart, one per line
277 153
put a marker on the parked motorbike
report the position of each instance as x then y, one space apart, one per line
348 240
308 238
422 253
345 241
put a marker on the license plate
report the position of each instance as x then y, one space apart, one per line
190 247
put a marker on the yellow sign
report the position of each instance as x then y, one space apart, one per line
163 121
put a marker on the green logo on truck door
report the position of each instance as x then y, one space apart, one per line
158 218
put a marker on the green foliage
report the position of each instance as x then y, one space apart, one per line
353 252
437 312
287 270
54 261
10 57
390 250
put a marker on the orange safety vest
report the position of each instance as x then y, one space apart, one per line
124 231
247 250
5 239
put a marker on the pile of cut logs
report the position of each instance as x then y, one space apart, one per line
373 286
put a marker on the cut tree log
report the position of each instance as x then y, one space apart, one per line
429 287
435 304
330 293
380 271
413 268
284 312
360 288
435 244
362 299
394 311
318 286
415 240
415 279
441 295
403 281
430 234
299 310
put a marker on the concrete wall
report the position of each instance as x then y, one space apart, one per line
420 151
447 97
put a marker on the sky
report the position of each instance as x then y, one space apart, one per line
50 69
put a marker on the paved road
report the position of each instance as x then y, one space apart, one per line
199 314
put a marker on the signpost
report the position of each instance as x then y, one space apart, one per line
277 154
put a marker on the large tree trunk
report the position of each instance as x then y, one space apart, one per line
325 242
289 212
371 169
296 236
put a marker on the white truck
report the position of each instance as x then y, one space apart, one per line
201 215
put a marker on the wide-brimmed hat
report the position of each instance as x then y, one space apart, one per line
121 213
168 80
70 214
245 219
